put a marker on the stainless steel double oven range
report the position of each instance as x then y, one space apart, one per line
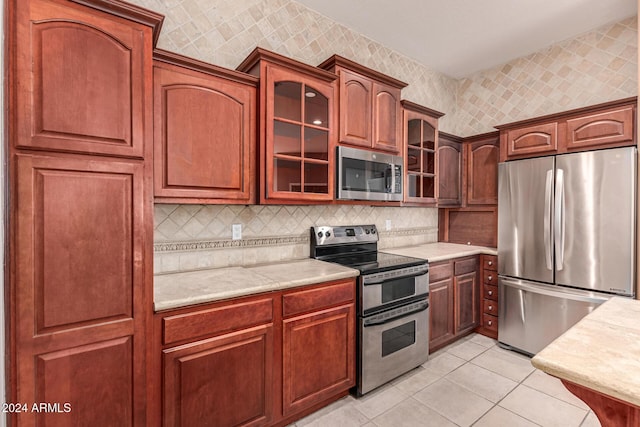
392 302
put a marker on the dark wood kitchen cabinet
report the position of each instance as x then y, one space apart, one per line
489 295
453 300
81 225
297 128
420 153
482 155
204 132
450 162
284 354
607 125
370 110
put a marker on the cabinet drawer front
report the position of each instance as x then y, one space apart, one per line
490 262
489 307
314 299
490 322
490 277
440 271
217 320
464 266
490 292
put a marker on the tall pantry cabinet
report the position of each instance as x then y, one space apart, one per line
80 269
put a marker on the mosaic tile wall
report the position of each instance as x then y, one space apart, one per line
590 69
190 237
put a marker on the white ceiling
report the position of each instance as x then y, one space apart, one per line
460 37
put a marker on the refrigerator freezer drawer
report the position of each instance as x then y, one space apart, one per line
531 315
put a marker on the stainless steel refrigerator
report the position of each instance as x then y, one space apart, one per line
566 241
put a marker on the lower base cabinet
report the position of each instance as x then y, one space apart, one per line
453 300
257 361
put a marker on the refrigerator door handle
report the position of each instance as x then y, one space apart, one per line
549 290
548 229
559 219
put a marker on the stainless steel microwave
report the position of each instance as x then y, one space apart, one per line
368 175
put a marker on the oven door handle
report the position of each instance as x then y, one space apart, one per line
378 278
379 320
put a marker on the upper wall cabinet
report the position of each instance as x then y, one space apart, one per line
297 128
81 82
600 126
204 132
482 154
420 153
450 162
370 110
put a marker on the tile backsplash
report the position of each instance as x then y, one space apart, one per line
191 237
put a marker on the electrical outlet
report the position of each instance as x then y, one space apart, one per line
387 225
236 232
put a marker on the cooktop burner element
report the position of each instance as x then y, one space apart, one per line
356 247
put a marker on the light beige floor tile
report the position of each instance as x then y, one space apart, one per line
542 409
324 411
411 413
443 363
506 363
499 417
344 416
378 401
466 350
454 402
483 382
552 386
483 340
591 421
416 380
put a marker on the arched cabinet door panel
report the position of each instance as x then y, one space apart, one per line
81 82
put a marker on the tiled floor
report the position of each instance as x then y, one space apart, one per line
471 382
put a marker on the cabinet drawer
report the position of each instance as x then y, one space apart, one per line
489 307
490 292
217 320
490 262
490 322
490 277
464 266
440 271
315 299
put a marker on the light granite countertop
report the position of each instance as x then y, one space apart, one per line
441 251
600 352
175 290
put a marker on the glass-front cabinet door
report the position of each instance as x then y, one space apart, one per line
421 142
299 145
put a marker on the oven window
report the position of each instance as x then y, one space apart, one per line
361 175
398 338
398 289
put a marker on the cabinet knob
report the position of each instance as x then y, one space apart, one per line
490 322
490 293
490 308
490 277
490 262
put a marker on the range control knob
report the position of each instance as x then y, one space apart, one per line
366 230
320 234
328 234
373 231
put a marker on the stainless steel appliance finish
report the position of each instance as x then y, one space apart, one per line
530 313
368 175
566 223
393 302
